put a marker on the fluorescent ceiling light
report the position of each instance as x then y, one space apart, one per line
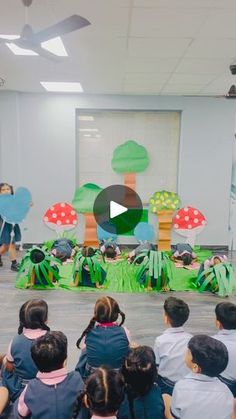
88 130
87 135
10 37
69 87
20 51
86 118
55 46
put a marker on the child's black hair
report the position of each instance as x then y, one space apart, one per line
187 259
209 354
110 252
106 310
139 370
177 311
49 352
7 184
105 391
37 256
226 315
88 251
33 315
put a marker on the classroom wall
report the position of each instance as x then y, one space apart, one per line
38 150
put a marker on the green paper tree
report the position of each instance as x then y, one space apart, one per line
83 202
130 158
164 204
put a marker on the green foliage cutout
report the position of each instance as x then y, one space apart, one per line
130 157
164 200
84 197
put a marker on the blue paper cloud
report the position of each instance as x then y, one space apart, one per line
144 232
106 235
14 208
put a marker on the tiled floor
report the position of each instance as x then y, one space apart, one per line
71 312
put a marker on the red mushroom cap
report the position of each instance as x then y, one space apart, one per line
60 216
188 218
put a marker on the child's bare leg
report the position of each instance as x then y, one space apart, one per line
76 280
12 251
4 248
98 285
167 402
149 286
4 396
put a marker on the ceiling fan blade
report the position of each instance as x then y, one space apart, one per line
47 54
70 24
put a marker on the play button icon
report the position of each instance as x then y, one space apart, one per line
118 208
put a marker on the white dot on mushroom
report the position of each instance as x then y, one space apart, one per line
176 226
186 209
72 212
58 222
195 212
189 226
54 215
186 218
67 221
63 205
63 214
177 216
195 220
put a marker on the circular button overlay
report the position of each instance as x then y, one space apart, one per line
118 208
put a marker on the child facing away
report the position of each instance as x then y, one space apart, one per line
7 230
18 366
226 323
106 341
89 273
103 395
201 394
183 254
53 393
170 347
140 373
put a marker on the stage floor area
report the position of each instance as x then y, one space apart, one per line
70 312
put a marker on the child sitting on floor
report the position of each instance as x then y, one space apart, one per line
18 366
53 393
103 395
201 394
106 341
170 347
140 373
226 323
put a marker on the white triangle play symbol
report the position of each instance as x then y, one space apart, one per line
116 209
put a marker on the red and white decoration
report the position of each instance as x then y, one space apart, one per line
60 217
189 222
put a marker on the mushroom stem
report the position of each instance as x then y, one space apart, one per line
190 239
90 235
165 223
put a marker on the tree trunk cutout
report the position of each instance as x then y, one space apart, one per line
90 234
165 224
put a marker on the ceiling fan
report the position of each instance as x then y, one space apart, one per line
32 40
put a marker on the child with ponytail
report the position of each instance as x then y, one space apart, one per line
18 366
106 342
103 395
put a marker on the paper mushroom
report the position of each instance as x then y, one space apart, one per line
189 222
60 217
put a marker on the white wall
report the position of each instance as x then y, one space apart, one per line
38 151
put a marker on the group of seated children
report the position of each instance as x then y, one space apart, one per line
185 376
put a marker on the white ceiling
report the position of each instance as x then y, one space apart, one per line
167 47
